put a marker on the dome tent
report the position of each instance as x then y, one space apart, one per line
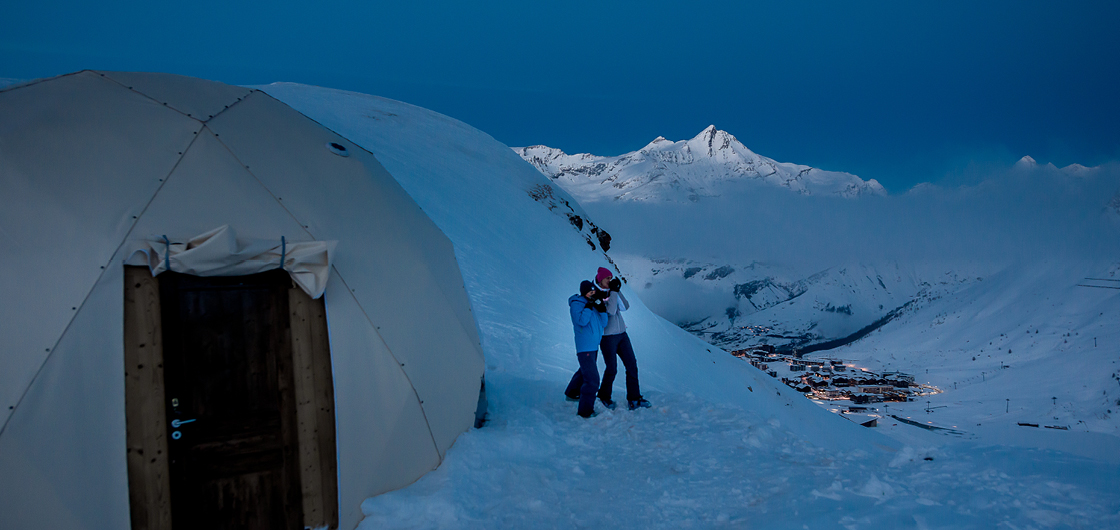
95 169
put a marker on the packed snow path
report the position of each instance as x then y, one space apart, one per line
686 463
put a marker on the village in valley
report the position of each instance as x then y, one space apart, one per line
828 380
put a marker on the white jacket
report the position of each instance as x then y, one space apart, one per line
616 304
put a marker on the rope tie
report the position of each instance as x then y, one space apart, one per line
283 251
167 254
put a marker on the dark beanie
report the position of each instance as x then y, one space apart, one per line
585 286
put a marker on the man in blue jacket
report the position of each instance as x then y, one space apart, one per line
589 317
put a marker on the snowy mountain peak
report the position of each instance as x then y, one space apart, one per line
1028 163
657 144
712 140
708 165
708 134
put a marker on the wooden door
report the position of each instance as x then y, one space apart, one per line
230 402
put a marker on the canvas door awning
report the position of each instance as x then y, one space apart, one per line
220 252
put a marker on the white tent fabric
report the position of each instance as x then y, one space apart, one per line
220 253
96 166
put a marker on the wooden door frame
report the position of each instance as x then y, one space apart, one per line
146 416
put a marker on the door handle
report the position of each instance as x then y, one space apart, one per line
176 423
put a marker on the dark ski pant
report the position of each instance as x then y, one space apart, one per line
585 382
615 347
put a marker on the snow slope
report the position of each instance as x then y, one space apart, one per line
1027 344
724 445
522 258
709 165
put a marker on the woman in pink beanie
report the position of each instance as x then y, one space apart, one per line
615 344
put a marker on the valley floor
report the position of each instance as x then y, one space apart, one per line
686 463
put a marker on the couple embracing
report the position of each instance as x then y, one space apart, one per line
597 319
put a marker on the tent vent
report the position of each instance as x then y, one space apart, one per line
337 149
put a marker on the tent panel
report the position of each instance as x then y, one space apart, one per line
383 439
389 247
63 452
198 98
79 158
208 189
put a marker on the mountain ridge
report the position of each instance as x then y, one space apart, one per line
710 164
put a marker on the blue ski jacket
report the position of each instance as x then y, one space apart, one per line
588 323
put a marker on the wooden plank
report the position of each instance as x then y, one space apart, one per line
315 410
149 488
281 341
324 408
309 459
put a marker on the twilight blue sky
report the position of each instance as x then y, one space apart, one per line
903 92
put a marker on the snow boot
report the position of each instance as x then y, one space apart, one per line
640 403
608 403
570 398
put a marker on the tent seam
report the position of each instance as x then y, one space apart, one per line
227 107
39 371
169 105
259 181
34 82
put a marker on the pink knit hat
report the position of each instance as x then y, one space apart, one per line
603 273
